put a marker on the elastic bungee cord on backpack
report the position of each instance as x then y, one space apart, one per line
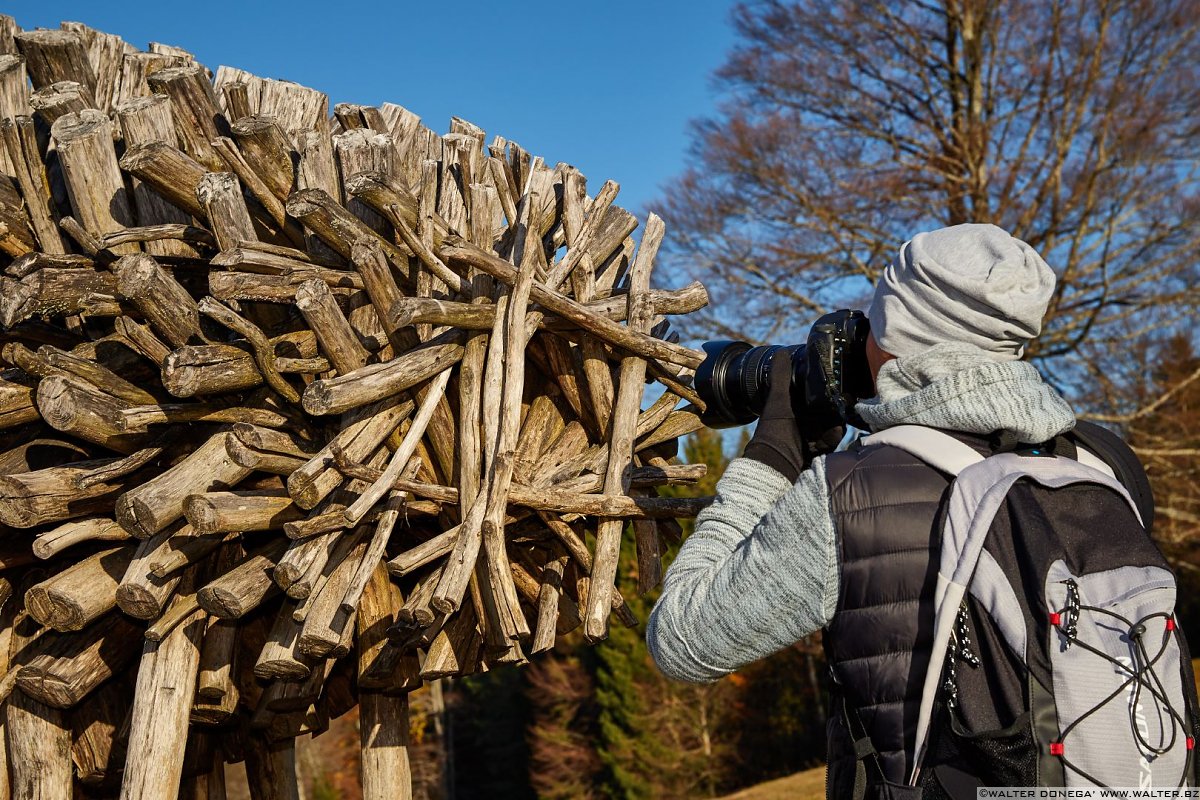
1066 622
959 649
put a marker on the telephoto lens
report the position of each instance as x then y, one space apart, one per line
735 377
829 373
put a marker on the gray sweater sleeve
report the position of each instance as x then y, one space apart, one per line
758 574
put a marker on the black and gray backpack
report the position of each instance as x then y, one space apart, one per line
1057 655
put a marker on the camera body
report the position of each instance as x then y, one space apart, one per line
829 373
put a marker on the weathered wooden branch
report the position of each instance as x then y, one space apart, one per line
73 598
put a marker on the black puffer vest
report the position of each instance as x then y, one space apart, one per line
885 506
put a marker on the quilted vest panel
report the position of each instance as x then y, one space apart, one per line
885 509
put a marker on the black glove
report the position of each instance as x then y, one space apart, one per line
780 441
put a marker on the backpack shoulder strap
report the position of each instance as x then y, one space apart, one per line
1117 459
937 449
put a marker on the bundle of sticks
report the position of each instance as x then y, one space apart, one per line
299 412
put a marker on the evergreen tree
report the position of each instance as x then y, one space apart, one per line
489 720
563 730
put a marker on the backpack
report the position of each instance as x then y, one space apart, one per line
1057 658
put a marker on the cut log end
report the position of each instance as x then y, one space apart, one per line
55 610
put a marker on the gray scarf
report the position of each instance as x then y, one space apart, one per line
958 387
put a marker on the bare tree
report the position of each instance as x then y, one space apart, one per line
847 127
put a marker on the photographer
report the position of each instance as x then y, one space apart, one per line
801 538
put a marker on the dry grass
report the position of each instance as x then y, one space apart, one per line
808 785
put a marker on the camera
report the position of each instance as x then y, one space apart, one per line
829 373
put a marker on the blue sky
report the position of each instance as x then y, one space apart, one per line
606 86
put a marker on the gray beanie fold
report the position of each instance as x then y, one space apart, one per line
972 284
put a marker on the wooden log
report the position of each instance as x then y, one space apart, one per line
84 366
39 749
267 259
160 298
314 481
198 119
14 86
376 613
376 382
236 95
170 172
52 542
52 55
97 745
328 625
362 150
186 548
215 679
220 193
274 441
316 169
383 742
271 769
194 370
162 703
69 667
252 510
183 607
455 650
58 292
145 120
79 408
135 67
59 99
105 53
575 497
244 587
425 553
72 599
302 556
263 461
93 179
16 400
333 331
226 286
264 353
268 152
381 190
16 238
621 448
276 222
219 652
51 495
137 418
141 594
280 659
550 595
415 310
141 339
24 155
147 509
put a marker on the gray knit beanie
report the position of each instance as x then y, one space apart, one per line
974 284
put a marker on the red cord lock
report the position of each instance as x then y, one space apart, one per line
1055 618
1056 748
1191 743
1170 623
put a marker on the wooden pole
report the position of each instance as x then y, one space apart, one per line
93 179
162 703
